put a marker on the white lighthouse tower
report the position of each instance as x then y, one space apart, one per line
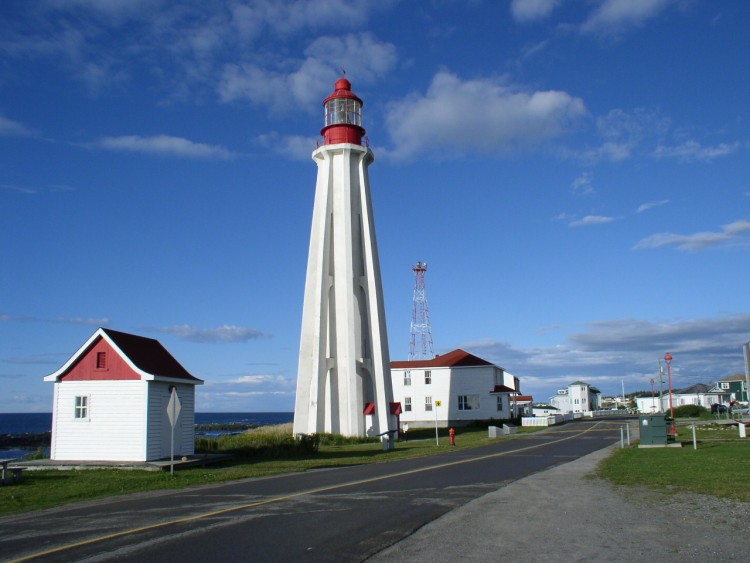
343 381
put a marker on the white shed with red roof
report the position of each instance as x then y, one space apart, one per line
110 401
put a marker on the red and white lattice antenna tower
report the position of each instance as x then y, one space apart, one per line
420 347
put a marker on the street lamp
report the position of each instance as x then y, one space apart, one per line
668 359
653 396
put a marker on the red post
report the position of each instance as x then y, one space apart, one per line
668 359
452 434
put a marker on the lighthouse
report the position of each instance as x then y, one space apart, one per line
343 380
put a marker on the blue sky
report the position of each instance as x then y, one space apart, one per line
575 173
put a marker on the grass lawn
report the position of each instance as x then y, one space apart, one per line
718 467
44 489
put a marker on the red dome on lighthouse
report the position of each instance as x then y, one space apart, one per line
343 115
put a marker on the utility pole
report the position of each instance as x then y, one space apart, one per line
661 390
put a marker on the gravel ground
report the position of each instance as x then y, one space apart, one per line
563 515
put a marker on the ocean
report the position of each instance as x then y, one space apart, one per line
40 422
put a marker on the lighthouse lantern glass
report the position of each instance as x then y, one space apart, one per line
343 111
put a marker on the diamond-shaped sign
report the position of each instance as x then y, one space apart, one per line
173 408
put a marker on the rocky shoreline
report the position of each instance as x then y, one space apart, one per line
25 441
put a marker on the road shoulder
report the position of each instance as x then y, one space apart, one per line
565 514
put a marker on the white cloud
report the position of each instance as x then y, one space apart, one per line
532 10
616 15
449 116
19 189
732 232
296 147
583 184
611 152
692 150
362 55
606 352
289 16
312 79
623 132
92 321
591 220
163 145
226 333
9 128
650 205
185 45
260 380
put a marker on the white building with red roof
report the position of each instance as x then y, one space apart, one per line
111 397
454 389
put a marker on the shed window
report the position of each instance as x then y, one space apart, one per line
82 407
101 360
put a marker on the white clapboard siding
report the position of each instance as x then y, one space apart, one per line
114 429
447 384
159 441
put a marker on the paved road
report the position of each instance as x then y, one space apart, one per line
345 514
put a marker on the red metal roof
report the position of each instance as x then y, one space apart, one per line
145 355
456 358
503 389
343 89
149 355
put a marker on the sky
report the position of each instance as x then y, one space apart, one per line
575 173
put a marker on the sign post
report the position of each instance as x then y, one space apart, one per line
173 412
437 438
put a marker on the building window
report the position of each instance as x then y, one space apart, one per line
407 404
725 385
407 378
499 403
468 402
82 407
101 360
428 404
427 377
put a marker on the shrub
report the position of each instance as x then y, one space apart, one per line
690 411
327 439
38 454
265 441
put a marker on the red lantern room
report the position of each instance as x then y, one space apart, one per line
343 116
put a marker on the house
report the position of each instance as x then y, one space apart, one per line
579 397
736 385
521 405
699 394
545 410
111 397
452 390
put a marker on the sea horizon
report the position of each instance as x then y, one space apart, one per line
40 422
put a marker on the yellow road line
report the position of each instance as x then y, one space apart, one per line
287 497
